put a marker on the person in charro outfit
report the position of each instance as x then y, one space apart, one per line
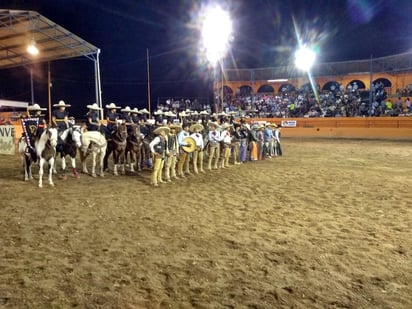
197 160
214 145
158 148
135 116
236 142
172 151
244 134
126 118
183 155
93 119
60 116
35 111
225 144
112 118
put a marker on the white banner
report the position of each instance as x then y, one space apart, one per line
7 140
288 123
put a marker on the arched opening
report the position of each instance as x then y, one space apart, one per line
356 84
286 88
331 86
244 90
386 83
266 89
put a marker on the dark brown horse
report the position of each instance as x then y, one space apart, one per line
117 145
134 148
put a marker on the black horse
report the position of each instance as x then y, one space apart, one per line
117 145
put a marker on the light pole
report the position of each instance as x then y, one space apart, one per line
216 34
304 59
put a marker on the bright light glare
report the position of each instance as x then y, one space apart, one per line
32 49
216 31
304 58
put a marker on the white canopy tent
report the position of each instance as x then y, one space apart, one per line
18 29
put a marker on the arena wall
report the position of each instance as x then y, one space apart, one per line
399 128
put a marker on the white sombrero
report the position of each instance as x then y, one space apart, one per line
112 106
35 107
184 114
169 114
197 127
135 110
226 125
144 111
94 106
158 112
61 104
158 130
203 113
126 109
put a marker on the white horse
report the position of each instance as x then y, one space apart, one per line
46 150
93 142
71 141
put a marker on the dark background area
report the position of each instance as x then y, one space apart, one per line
264 35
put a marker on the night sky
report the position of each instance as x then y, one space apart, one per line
264 35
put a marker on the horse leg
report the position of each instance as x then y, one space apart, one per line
74 169
132 160
123 163
51 166
83 157
63 175
115 162
41 163
94 164
101 160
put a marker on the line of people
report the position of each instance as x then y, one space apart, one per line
215 146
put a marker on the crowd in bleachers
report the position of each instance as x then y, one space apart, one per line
335 102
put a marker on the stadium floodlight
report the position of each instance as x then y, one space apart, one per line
305 58
216 32
32 48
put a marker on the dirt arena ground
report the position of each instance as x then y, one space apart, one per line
328 225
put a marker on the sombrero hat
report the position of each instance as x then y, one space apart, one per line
144 111
169 114
35 107
191 144
135 110
61 104
176 127
203 113
112 106
196 127
225 126
213 124
184 114
127 109
158 112
270 124
94 106
158 130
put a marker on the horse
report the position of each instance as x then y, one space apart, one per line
134 147
29 156
145 150
95 143
117 145
44 151
71 140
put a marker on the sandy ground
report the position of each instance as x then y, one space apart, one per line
328 225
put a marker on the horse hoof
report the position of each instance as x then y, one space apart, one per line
94 175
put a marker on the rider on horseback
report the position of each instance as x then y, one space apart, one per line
60 118
112 118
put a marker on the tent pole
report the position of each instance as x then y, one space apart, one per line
49 85
98 84
148 82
